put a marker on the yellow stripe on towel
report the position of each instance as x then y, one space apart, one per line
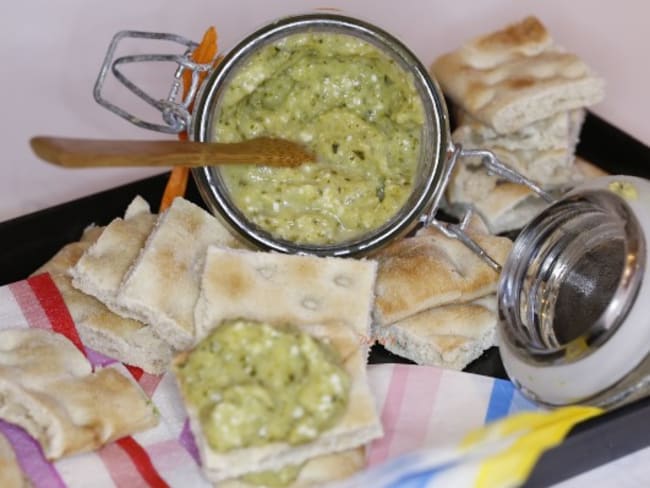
532 433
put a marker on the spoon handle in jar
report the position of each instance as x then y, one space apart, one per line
82 153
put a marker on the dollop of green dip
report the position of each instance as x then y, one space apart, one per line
355 107
253 384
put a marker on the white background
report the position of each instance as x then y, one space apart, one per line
50 53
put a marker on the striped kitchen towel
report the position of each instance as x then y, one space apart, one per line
424 410
499 455
158 457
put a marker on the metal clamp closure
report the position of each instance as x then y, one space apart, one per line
175 108
494 167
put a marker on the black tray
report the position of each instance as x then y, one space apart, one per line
30 240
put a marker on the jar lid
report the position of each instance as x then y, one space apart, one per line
570 296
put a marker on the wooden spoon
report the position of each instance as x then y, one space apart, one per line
83 153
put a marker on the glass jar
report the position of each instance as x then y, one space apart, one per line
574 324
434 139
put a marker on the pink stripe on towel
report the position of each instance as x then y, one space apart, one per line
379 449
406 414
29 305
419 399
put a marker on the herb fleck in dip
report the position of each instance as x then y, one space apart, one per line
356 108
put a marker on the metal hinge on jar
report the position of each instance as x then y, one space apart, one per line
175 108
494 167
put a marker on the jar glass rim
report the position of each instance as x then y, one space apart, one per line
551 249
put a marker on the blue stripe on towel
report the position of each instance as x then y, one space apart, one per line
420 479
500 400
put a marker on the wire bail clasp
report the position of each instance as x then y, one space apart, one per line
494 167
175 108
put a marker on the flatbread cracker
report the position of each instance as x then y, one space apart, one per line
504 205
101 269
428 270
137 206
450 336
509 206
38 359
359 424
546 159
285 288
317 471
516 76
128 341
66 409
162 286
554 132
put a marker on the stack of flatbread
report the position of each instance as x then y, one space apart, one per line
124 339
131 286
436 302
148 267
146 287
523 97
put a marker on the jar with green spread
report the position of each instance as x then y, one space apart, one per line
354 95
359 112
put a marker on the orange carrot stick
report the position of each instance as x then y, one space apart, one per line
204 53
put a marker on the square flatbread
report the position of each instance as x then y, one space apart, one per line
428 270
285 288
358 425
100 270
449 336
50 391
129 341
162 286
330 298
516 76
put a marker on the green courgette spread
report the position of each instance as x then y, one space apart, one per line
252 384
355 107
